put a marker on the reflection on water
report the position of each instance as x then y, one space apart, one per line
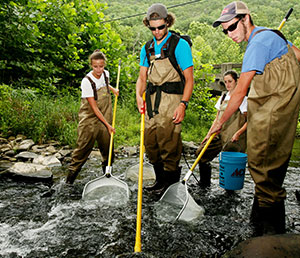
39 220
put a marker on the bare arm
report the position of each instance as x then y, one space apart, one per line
209 131
237 134
114 90
188 89
141 87
235 100
297 52
98 113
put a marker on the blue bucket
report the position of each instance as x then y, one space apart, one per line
232 170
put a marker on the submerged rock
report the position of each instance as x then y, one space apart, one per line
132 173
275 246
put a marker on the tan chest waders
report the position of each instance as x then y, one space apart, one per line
273 108
91 129
162 137
231 126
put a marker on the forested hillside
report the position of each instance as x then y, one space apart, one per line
267 13
45 45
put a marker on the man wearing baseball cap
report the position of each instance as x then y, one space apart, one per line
271 66
168 91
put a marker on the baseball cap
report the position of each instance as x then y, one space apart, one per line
230 11
160 9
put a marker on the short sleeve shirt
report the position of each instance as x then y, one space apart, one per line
183 53
243 106
86 87
263 48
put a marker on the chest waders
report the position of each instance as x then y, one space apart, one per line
91 129
230 127
222 142
273 108
163 142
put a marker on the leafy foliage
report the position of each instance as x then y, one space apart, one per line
42 118
45 44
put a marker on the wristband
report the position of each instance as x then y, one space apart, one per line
186 103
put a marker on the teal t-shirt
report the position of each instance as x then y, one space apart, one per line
183 53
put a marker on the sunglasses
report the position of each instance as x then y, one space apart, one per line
161 27
232 27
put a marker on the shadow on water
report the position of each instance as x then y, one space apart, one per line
39 220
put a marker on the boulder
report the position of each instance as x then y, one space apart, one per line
30 170
275 246
132 173
49 161
26 155
25 145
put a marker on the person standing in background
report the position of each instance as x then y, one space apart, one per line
233 135
95 116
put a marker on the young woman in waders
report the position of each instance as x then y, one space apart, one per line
233 135
95 115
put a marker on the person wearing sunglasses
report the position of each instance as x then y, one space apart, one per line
168 89
271 66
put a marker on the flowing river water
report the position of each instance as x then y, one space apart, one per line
42 220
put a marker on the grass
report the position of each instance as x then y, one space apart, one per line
44 118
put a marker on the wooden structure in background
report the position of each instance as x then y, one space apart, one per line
218 85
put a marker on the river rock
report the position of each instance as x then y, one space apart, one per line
64 152
5 148
189 147
4 165
49 161
130 151
132 173
30 170
51 149
10 153
39 148
26 155
25 145
3 140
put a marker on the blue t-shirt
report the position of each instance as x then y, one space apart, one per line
183 53
262 49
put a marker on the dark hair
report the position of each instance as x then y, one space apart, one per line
243 16
170 20
97 54
233 74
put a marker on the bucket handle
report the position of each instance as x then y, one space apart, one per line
188 174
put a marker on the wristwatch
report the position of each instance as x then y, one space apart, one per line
186 103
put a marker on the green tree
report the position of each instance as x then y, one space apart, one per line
45 44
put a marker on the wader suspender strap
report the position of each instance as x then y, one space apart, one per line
223 98
167 51
106 82
275 31
174 39
168 87
93 86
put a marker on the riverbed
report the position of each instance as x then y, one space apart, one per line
51 220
